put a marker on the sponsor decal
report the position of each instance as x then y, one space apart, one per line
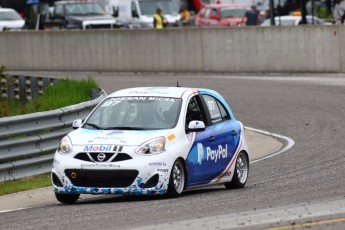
162 170
102 165
116 100
200 152
102 148
212 154
157 164
217 154
150 91
225 174
171 137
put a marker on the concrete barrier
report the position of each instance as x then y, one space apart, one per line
246 49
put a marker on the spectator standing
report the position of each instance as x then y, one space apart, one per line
159 21
252 16
339 12
185 16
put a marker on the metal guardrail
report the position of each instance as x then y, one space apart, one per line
28 142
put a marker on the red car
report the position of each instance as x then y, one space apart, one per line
222 15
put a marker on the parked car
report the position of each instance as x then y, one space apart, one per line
155 140
294 21
222 15
10 20
139 13
80 15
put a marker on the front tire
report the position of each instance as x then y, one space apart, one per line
67 198
177 179
241 172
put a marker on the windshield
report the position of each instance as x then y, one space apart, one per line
149 7
232 13
84 9
9 16
135 113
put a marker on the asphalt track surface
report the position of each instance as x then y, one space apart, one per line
300 188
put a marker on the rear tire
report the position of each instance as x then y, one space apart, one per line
67 198
241 172
177 179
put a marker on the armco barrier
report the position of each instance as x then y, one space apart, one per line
307 48
28 142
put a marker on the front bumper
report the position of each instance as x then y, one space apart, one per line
142 175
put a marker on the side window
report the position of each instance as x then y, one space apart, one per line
193 111
134 10
217 111
58 11
223 112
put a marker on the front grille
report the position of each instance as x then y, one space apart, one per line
122 157
101 178
92 157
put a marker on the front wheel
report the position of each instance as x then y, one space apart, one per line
241 172
177 179
67 198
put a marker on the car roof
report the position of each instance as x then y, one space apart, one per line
6 10
290 17
227 5
73 2
176 92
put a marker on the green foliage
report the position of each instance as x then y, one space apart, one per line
324 14
25 184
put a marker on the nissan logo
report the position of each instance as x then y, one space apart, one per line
101 156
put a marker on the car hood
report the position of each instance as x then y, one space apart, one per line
91 18
232 20
13 24
114 137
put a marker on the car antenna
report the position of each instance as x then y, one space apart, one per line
177 85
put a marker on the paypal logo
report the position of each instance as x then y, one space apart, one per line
212 154
217 154
200 152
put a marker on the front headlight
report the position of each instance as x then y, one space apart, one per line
153 146
65 146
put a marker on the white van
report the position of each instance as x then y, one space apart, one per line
139 13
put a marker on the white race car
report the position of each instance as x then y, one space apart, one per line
154 140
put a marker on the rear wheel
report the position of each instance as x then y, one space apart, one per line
177 179
67 198
241 172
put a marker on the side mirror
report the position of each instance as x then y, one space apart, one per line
196 126
115 11
77 123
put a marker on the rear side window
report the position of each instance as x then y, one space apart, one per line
216 109
58 11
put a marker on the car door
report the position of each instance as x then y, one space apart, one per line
225 132
213 148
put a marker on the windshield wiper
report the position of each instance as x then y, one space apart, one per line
93 125
123 128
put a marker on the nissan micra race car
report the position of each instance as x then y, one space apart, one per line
153 140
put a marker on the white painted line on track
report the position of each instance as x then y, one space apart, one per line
287 139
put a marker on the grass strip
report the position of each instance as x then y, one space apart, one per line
25 184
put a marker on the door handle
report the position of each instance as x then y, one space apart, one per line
212 138
234 133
